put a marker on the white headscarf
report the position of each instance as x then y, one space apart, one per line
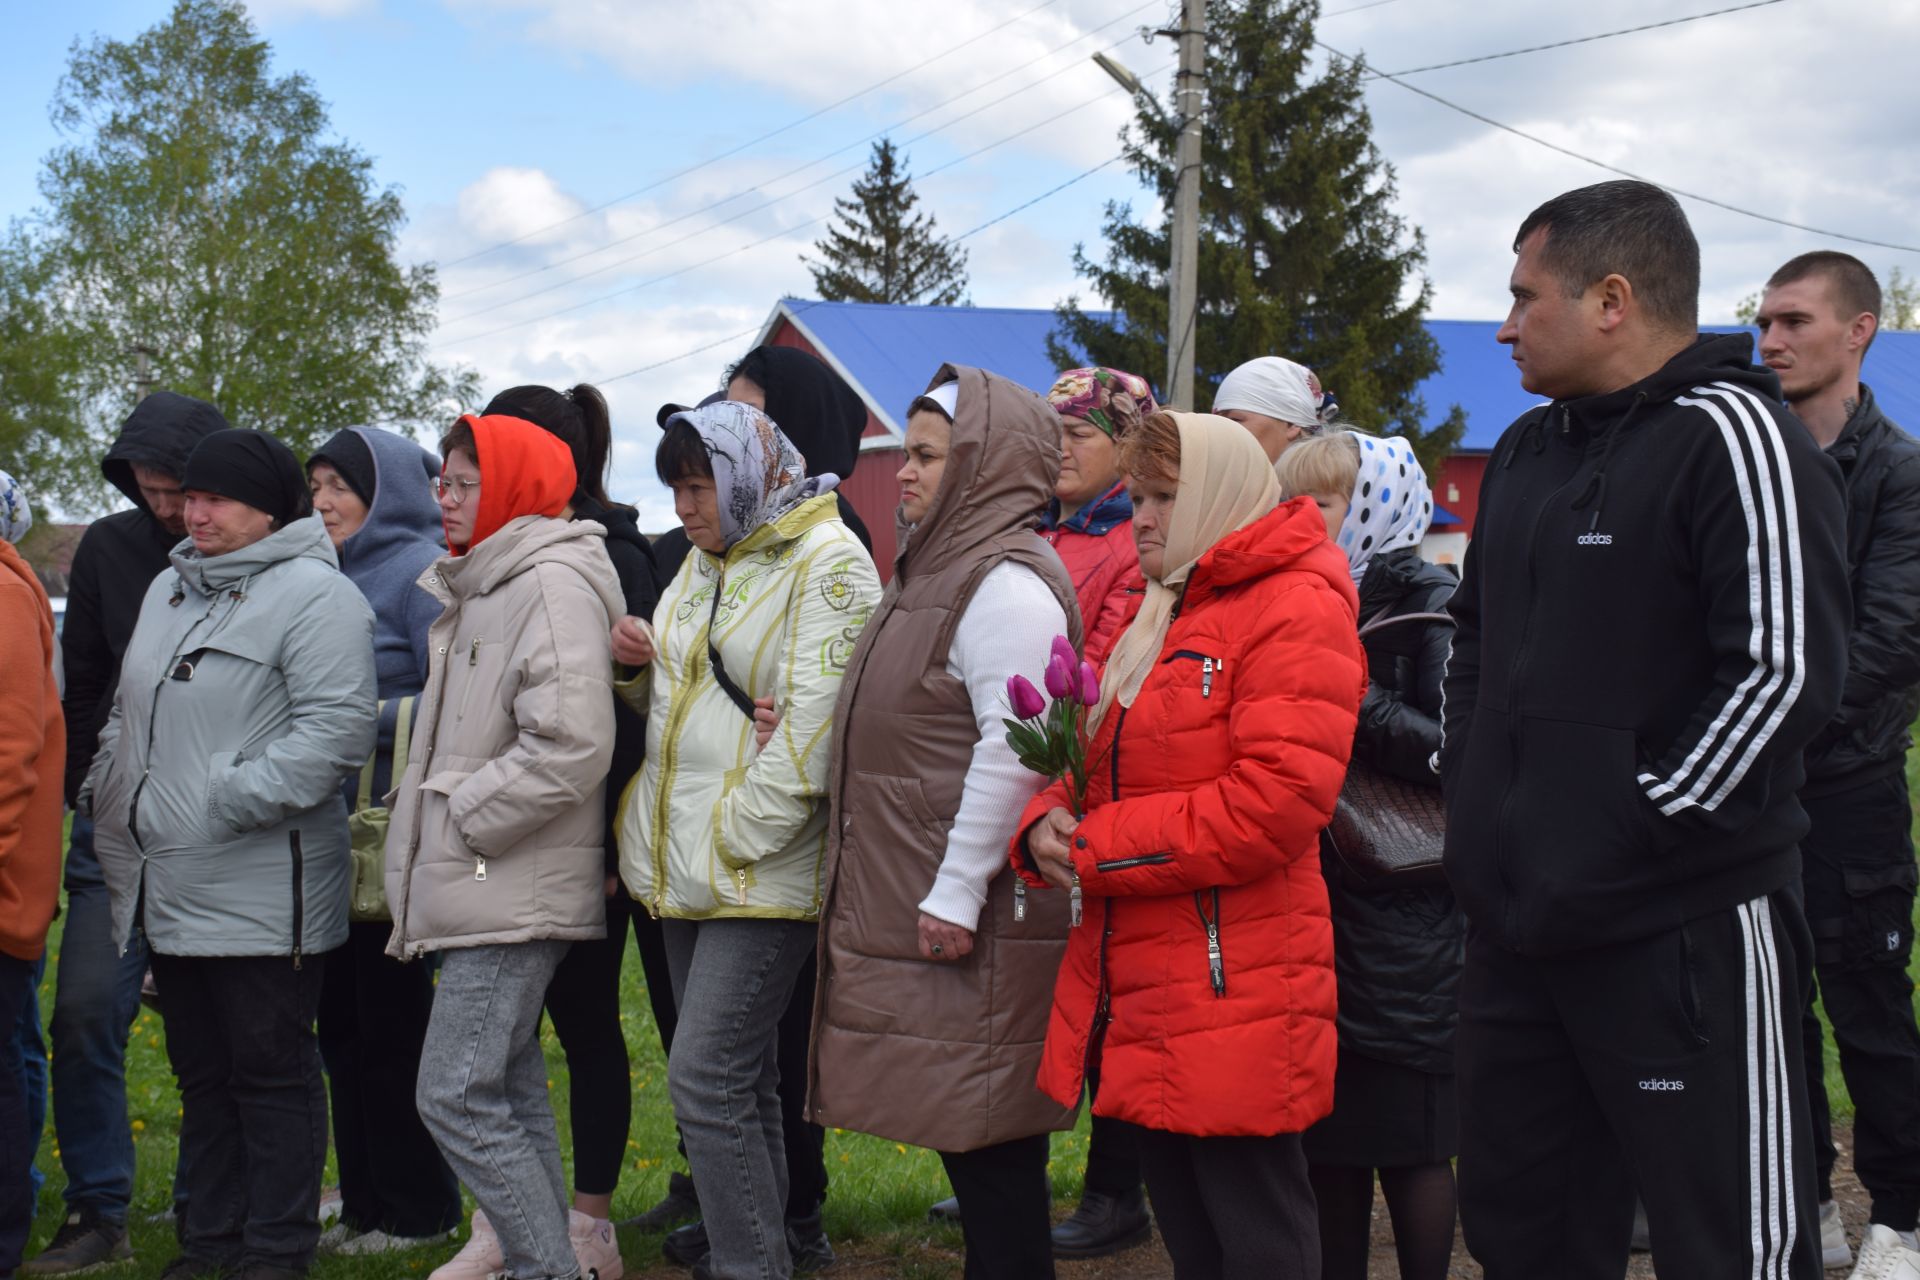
1392 506
1279 389
16 517
1226 483
757 473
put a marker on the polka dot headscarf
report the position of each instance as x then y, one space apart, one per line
1392 506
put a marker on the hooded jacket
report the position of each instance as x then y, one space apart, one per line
1398 952
498 832
116 559
1096 545
938 1054
1881 697
386 555
1201 979
33 756
1652 625
633 564
246 699
716 826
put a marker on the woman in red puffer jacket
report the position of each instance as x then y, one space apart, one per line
1199 987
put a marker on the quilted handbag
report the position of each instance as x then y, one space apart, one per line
1388 832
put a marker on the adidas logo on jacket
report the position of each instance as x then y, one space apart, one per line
1625 715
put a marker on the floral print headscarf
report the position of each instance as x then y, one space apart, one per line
758 476
1114 401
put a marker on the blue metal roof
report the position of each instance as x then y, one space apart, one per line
889 352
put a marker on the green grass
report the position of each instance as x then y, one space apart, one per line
879 1196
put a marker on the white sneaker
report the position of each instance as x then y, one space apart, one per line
481 1258
1835 1253
371 1242
595 1247
334 1237
330 1206
1884 1257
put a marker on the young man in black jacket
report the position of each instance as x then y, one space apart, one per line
97 990
1652 623
1817 319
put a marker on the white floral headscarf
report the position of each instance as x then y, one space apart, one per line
16 517
1391 507
758 475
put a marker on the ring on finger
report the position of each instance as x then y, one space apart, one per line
935 948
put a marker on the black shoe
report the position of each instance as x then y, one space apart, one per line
83 1242
184 1268
679 1205
947 1210
1103 1224
686 1246
807 1244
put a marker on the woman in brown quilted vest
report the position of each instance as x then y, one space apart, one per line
934 991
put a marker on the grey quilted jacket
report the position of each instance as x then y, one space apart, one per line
246 696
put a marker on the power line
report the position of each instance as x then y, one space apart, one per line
1613 168
880 133
783 232
1562 44
744 213
807 306
1051 191
754 142
1371 4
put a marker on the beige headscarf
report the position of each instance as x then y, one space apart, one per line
1226 483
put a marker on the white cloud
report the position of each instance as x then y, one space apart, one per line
287 10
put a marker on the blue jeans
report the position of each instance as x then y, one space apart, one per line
32 1048
96 997
732 979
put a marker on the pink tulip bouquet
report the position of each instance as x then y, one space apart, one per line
1050 738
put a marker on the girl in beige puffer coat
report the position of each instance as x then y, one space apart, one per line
494 855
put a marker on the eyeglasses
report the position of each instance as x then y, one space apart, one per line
458 488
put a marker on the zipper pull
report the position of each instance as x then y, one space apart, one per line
1216 963
740 891
1206 677
1019 899
479 868
1073 903
296 957
473 660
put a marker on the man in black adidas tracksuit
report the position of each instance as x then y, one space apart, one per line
1652 624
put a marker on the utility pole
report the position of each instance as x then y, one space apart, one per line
1183 277
143 379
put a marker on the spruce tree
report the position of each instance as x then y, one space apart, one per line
1301 252
883 251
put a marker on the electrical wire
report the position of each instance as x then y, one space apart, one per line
782 233
806 306
753 142
1562 44
877 134
1625 173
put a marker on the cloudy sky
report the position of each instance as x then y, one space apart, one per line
596 180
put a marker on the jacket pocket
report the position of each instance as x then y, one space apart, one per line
440 837
891 850
1211 669
1575 817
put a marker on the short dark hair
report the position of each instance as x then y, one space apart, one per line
1628 228
682 453
1854 286
460 436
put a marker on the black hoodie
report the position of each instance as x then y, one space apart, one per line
1652 625
117 558
639 583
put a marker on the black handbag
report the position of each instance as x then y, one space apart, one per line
1387 832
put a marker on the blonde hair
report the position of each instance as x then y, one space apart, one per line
1326 464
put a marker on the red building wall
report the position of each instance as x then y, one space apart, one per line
871 489
1458 489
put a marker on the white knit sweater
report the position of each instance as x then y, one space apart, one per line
1007 630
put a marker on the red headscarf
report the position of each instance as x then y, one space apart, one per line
524 471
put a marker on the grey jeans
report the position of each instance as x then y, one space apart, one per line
731 982
483 1096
